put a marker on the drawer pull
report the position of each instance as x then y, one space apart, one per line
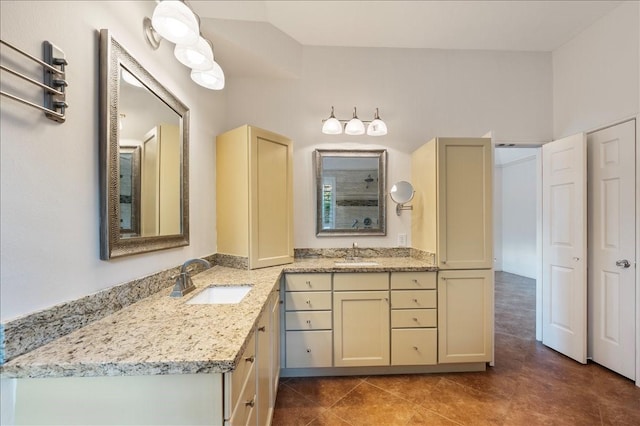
263 328
250 403
309 283
308 302
415 348
415 280
250 358
415 301
309 322
415 319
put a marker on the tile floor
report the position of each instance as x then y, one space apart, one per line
530 385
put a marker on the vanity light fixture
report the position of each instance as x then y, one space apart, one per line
175 21
354 126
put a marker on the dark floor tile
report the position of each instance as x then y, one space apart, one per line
620 413
325 391
492 381
465 405
369 405
293 409
428 417
327 419
412 387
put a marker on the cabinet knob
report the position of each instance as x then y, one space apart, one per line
415 319
308 350
415 280
444 262
250 403
309 283
263 328
415 301
309 322
415 348
250 358
308 302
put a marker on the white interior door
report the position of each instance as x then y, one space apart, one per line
612 248
564 240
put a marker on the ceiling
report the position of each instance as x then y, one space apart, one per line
486 25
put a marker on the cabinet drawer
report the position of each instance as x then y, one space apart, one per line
307 282
413 280
361 281
243 410
308 301
243 370
414 346
414 318
309 349
413 299
314 320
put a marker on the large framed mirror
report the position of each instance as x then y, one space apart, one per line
350 192
144 158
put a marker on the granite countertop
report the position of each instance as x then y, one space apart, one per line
164 335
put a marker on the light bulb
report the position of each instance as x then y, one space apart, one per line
177 23
198 56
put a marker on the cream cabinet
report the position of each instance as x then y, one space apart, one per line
254 190
268 359
361 319
452 213
161 205
308 322
465 316
414 333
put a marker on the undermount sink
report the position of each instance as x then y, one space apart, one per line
356 263
220 295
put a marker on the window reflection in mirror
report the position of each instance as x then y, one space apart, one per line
351 192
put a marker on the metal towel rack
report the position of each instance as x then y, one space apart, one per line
54 83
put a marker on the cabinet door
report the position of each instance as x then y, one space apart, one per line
274 375
464 217
271 199
361 328
465 316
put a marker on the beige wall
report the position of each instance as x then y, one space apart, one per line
49 172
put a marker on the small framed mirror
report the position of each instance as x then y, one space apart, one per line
350 192
401 193
144 158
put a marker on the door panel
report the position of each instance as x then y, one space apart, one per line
564 222
612 238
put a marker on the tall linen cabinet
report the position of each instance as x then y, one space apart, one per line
254 196
452 217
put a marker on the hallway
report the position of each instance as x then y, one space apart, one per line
530 384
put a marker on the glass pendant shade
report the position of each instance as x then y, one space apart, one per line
174 21
212 78
355 126
198 56
332 126
377 127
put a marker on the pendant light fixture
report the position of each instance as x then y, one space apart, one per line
377 127
175 21
354 126
332 126
198 56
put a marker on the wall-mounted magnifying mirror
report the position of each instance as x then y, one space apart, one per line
401 193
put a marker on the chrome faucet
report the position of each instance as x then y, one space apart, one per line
355 251
183 281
